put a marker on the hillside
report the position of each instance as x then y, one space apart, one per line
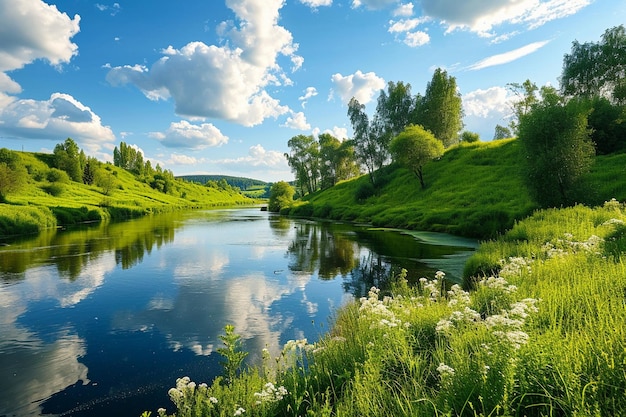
474 190
42 203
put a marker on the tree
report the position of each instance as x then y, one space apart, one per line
369 149
607 122
525 98
470 137
336 160
304 162
502 132
557 145
67 158
281 196
13 175
440 110
597 69
414 147
394 108
128 158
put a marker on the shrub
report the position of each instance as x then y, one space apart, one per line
56 175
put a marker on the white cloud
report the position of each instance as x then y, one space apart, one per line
32 29
482 16
340 133
361 86
314 4
187 135
226 82
297 121
494 101
59 117
373 4
180 159
507 57
308 93
415 39
403 10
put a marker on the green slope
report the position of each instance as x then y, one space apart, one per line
474 190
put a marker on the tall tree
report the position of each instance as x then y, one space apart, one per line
336 160
67 158
556 141
13 175
281 196
414 147
526 96
394 107
440 110
303 159
597 69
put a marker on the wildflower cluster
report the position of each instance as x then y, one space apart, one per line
567 245
515 266
270 394
380 312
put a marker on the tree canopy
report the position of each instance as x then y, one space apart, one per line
414 147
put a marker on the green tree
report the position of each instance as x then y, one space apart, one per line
470 137
13 175
128 158
281 196
336 160
526 96
440 110
557 145
607 122
67 158
303 159
597 69
367 146
414 147
502 132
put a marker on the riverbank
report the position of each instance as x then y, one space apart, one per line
475 190
47 199
542 335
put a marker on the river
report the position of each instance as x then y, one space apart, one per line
101 320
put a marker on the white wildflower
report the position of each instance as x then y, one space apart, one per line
239 411
213 400
445 371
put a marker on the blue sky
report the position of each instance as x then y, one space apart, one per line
220 86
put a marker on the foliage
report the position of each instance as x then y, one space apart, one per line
13 175
337 160
232 353
238 182
304 161
607 123
502 132
68 158
414 147
597 69
440 110
369 147
557 147
470 137
128 158
281 196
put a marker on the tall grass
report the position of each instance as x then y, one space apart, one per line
544 335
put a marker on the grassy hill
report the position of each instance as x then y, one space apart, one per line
474 190
41 203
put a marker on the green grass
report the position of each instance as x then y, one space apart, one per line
28 211
474 190
544 336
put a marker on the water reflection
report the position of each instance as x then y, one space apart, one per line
101 321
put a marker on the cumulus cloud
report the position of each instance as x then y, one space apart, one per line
507 57
187 135
361 86
297 121
314 4
59 117
269 163
494 101
482 16
32 29
308 93
340 133
227 82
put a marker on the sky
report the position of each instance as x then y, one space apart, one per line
220 86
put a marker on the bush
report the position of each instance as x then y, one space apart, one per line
364 191
54 189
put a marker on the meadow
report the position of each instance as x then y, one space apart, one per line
49 199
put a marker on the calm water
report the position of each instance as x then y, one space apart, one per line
101 321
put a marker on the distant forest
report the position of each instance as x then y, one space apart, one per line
242 183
